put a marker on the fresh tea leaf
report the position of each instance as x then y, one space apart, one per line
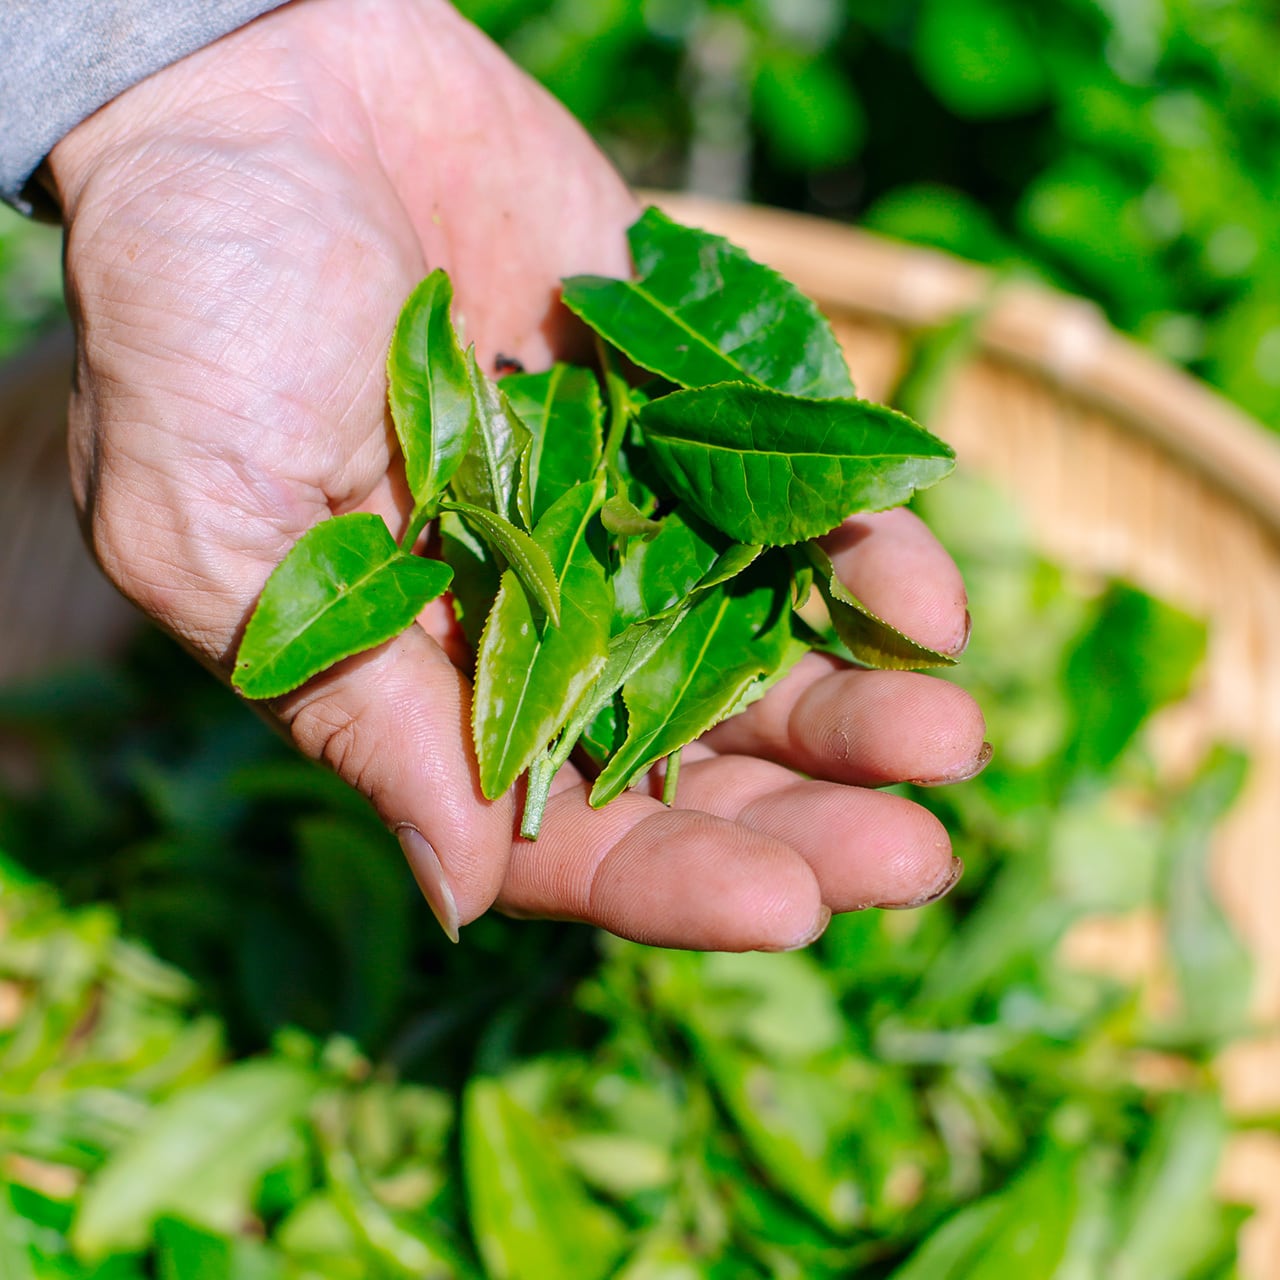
185 1252
15 1259
596 721
343 588
531 673
519 551
1137 654
531 1214
565 416
774 469
620 515
793 1118
429 389
732 636
870 640
199 1155
1211 962
658 574
494 473
1171 1211
477 573
700 311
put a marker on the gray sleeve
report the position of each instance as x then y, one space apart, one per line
60 60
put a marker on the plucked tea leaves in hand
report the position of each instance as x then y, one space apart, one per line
615 550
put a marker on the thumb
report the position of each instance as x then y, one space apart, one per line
395 724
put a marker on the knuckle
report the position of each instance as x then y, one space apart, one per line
326 731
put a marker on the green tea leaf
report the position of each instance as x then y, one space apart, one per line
658 574
620 515
701 311
1137 655
950 1249
1024 1230
530 1213
494 473
793 1118
429 389
530 674
198 1155
343 588
732 636
519 551
565 416
773 469
1212 964
395 1245
477 573
871 640
1171 1210
185 1252
784 1007
15 1261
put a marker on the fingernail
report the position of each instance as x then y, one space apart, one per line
963 774
940 890
824 919
964 637
429 874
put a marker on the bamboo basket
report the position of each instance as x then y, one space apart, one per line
1121 464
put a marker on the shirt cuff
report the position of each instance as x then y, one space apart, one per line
64 59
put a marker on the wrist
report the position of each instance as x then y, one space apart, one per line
119 135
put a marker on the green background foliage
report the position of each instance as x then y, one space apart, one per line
201 934
1126 151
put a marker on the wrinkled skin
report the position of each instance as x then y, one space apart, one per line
242 228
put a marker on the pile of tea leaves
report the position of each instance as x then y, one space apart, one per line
326 1088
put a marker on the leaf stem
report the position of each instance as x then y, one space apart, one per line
537 791
619 395
671 778
421 517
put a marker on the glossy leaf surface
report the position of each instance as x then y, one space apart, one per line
343 588
620 515
494 473
769 468
530 674
871 640
700 311
430 391
731 637
658 574
519 551
477 573
565 415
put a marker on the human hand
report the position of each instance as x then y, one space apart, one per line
242 229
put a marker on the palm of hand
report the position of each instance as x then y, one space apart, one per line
242 230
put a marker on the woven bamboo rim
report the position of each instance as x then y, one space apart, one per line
1121 465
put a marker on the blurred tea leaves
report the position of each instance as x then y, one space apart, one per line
921 1094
